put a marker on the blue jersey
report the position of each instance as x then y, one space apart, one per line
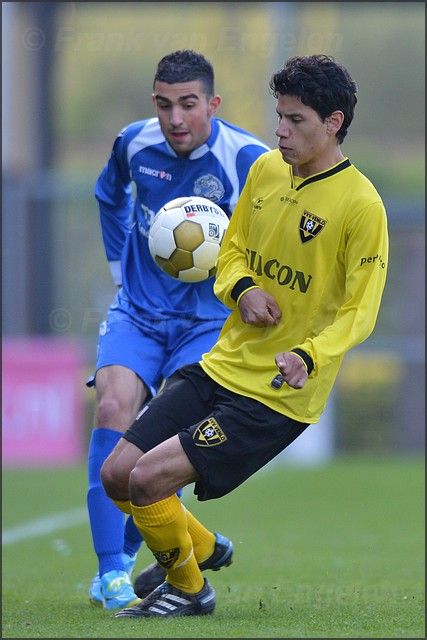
141 175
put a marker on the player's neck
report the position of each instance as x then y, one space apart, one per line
318 165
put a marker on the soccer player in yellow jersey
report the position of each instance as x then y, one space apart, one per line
302 267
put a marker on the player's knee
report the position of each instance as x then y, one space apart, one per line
115 481
143 483
112 413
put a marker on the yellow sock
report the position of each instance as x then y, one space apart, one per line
203 539
123 505
163 525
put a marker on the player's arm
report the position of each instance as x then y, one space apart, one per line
113 192
232 277
234 283
366 268
366 261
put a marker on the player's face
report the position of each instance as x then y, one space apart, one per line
305 142
185 112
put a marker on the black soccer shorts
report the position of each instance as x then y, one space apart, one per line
226 436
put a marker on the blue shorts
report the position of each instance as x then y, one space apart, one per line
153 349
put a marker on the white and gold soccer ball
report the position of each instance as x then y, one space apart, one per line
185 237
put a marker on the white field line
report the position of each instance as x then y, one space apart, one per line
44 526
55 522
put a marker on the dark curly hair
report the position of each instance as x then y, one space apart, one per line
185 66
320 83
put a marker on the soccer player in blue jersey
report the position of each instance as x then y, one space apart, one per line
156 323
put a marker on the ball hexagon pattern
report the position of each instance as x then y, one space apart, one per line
185 237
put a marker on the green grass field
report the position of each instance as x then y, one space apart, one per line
335 551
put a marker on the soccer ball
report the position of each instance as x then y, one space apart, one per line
185 237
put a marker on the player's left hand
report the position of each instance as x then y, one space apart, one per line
292 368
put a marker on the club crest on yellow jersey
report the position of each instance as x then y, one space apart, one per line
310 226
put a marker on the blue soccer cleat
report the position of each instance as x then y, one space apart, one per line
117 590
95 590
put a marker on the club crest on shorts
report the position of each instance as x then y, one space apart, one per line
209 434
310 226
167 558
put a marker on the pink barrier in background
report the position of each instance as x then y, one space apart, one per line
42 402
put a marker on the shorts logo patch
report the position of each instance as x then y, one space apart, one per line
310 225
167 558
209 434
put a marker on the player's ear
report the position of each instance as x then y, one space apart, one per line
334 122
214 104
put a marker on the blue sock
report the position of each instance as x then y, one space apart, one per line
133 538
106 520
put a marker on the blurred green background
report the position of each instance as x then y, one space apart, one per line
75 73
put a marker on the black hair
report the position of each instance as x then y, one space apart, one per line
186 66
320 83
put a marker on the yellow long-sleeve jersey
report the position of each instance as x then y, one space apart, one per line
320 247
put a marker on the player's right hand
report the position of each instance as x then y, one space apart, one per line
259 308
